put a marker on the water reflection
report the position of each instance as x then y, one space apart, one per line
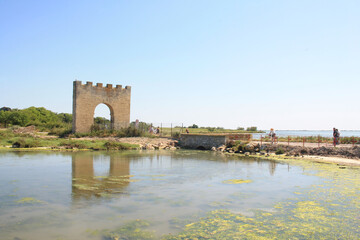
86 185
272 167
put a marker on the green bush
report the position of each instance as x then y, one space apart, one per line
279 151
111 145
251 129
41 118
129 132
25 143
71 144
210 129
176 135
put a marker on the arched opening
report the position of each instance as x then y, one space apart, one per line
201 148
103 117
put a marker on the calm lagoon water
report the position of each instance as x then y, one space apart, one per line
149 195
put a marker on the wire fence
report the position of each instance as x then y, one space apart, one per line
163 129
311 140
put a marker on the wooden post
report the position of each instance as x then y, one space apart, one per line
303 141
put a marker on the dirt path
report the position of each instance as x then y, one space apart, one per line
337 160
306 144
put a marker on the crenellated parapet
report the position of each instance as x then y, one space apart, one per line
100 86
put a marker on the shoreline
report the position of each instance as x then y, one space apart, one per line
333 159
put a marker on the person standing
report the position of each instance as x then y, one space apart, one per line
336 135
272 135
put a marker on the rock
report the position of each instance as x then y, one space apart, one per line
213 149
250 147
29 129
221 148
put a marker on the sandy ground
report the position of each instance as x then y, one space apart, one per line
337 160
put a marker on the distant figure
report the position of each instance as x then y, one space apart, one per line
272 135
336 135
151 129
187 130
158 130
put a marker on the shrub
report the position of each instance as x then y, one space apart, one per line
25 143
210 129
73 144
251 129
279 151
176 135
111 145
129 132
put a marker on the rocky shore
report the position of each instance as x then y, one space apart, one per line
340 155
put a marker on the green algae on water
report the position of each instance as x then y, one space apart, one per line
236 181
131 230
28 200
328 210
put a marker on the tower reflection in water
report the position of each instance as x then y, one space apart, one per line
86 186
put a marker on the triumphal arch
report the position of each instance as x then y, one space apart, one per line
86 97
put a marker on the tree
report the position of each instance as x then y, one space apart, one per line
251 129
5 117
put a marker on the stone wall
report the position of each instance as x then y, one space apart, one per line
86 97
197 141
207 141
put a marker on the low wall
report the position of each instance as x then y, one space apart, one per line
207 141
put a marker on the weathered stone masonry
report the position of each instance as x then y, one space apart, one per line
86 97
207 141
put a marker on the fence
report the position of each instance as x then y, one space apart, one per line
320 141
163 129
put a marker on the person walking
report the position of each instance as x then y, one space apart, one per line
272 135
336 135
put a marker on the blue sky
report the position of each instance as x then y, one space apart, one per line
281 64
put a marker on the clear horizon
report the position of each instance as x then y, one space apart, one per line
270 64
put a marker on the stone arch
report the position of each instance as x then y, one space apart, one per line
87 97
111 110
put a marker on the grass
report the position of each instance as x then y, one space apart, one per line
166 132
8 138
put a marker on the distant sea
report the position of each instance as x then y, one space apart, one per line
307 133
